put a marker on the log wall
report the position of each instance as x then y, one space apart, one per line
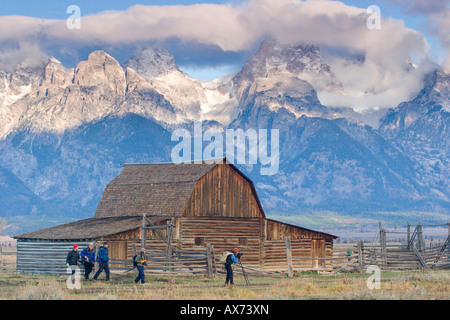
45 257
224 234
303 250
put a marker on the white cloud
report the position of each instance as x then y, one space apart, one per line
380 81
29 54
441 28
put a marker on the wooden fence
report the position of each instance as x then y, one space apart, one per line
412 254
178 263
401 258
387 256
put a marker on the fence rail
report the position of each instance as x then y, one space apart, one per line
179 263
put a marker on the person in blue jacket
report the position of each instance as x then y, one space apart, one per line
231 258
102 259
88 259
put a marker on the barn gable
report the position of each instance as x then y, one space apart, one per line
224 192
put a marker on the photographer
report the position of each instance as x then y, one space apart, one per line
233 257
140 261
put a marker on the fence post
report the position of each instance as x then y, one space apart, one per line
360 255
324 254
209 261
408 231
213 259
169 245
95 255
383 245
290 269
143 232
421 247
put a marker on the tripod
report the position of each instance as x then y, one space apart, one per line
244 272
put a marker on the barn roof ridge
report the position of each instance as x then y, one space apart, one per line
151 183
202 161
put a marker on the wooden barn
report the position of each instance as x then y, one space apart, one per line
176 209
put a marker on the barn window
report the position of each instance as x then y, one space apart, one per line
243 242
199 241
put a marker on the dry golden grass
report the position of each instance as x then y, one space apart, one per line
395 285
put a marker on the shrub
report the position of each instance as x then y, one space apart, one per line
42 291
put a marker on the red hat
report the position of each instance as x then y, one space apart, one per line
75 246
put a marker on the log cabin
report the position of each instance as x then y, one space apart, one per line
205 204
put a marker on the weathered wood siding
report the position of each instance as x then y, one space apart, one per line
223 192
44 257
305 244
263 242
224 234
121 245
275 259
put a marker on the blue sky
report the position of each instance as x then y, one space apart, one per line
56 9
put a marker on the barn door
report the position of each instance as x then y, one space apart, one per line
317 251
117 250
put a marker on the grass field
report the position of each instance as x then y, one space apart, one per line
394 285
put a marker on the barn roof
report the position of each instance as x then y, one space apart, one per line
88 229
155 189
305 229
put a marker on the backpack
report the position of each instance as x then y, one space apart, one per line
83 259
98 253
223 257
134 261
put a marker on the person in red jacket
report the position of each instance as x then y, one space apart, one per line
73 257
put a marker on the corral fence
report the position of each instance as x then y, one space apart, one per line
409 254
179 262
7 249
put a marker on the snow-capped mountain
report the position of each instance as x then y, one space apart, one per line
65 132
193 99
421 129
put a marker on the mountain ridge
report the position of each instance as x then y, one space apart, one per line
65 132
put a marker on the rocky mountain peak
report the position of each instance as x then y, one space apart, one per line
56 74
101 69
151 62
428 111
301 60
441 89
